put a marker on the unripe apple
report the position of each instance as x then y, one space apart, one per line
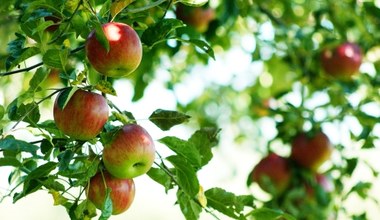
343 60
197 17
272 174
130 153
311 152
84 115
125 50
122 192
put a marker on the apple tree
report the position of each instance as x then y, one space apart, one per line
298 85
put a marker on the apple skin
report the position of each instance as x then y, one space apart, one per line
343 60
197 17
124 55
130 153
122 192
276 169
84 115
311 152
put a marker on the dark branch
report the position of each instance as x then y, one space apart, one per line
35 65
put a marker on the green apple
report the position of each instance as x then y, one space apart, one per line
125 50
122 192
84 115
130 153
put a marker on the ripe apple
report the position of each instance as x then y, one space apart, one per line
84 115
343 60
272 173
130 153
125 50
122 192
311 152
197 17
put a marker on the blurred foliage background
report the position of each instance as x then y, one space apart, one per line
264 85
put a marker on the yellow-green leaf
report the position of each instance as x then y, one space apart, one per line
118 6
105 87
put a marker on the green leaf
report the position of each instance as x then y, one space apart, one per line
39 76
9 143
267 213
25 112
17 52
185 175
64 159
160 31
166 119
107 206
194 3
204 139
42 171
227 202
85 210
183 148
65 95
118 5
105 87
56 58
160 177
100 36
203 46
52 183
189 207
362 188
2 112
9 161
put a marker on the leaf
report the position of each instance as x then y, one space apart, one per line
56 58
105 87
165 119
9 161
25 112
42 171
189 207
194 3
267 213
160 31
183 148
118 5
9 143
17 52
39 76
185 175
2 112
64 159
100 36
160 177
227 202
58 198
52 184
107 206
85 210
204 139
203 46
202 199
65 95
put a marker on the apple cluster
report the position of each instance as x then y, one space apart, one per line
82 115
278 175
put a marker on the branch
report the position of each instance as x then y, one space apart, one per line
36 65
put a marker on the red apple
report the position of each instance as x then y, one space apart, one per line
197 17
311 152
130 153
125 50
344 60
84 115
272 173
122 192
